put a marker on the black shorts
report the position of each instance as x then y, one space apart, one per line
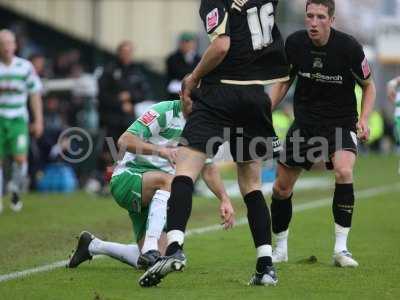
305 145
238 114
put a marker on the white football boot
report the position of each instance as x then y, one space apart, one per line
344 259
279 256
16 203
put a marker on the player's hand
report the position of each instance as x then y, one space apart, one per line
36 129
170 154
227 213
128 108
363 130
188 84
124 96
391 92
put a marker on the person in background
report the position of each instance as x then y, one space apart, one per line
18 83
40 65
121 87
181 62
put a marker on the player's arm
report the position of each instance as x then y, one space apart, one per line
37 111
212 178
362 73
136 138
212 57
367 106
34 87
134 144
215 18
391 88
280 89
278 92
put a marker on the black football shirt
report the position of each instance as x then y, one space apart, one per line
326 78
256 54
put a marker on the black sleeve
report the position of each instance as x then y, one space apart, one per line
108 91
141 90
109 105
290 49
171 68
359 63
214 15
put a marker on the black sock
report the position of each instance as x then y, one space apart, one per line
343 204
259 218
179 203
262 263
281 213
172 248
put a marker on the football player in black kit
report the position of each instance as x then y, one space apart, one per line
246 53
328 64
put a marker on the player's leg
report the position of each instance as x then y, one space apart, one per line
205 123
343 205
126 189
155 194
189 164
19 140
18 178
258 216
126 253
88 246
281 208
148 223
188 167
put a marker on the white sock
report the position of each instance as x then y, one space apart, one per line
18 176
341 234
175 236
264 250
128 254
156 220
282 241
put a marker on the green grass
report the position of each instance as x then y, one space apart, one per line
220 263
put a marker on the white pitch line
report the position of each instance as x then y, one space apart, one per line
364 194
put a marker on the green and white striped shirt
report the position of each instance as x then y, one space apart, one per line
161 125
17 81
397 109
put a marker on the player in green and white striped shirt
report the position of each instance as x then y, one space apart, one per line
141 184
18 82
394 97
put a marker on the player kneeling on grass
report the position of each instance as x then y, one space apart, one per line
141 184
328 63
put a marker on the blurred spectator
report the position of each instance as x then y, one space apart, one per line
181 62
40 65
26 46
122 86
65 63
54 125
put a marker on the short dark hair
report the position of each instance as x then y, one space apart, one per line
330 4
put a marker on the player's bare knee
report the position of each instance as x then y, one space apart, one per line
344 174
165 182
247 189
20 159
281 191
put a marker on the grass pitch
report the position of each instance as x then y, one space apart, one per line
219 263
